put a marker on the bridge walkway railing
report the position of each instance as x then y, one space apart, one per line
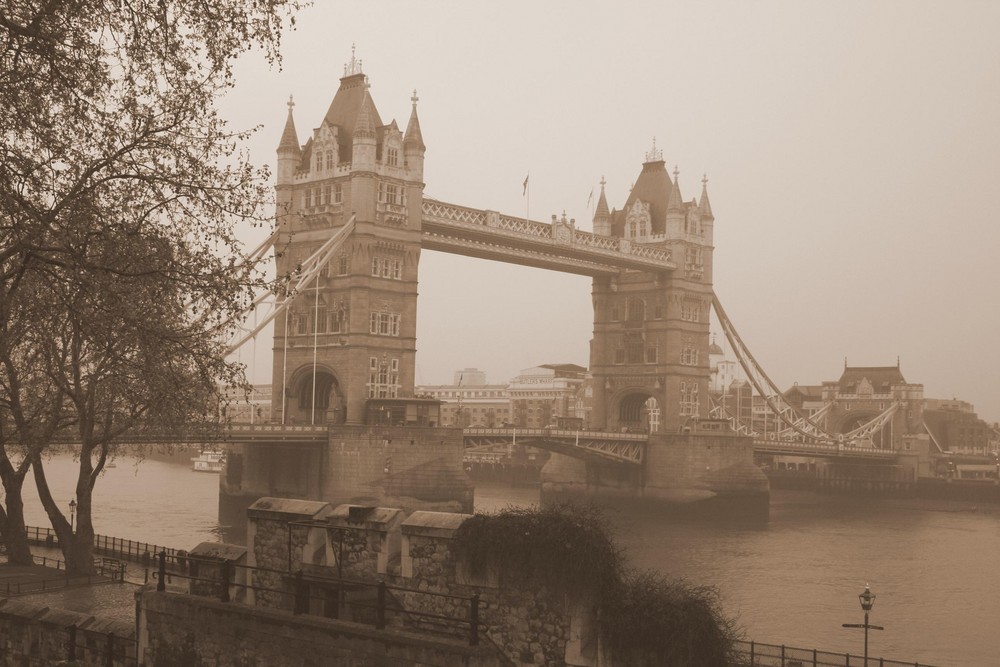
756 654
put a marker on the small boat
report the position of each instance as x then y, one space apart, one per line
210 460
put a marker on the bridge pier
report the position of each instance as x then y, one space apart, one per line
412 468
712 473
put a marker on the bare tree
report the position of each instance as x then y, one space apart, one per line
120 194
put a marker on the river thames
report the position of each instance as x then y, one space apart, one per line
934 567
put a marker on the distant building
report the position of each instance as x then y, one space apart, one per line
542 394
955 427
723 371
254 409
470 401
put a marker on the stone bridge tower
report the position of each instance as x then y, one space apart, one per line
351 335
649 353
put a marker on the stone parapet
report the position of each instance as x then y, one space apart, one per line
366 538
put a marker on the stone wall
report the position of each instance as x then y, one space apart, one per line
417 560
35 636
192 631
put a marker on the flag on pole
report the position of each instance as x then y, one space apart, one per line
525 191
591 197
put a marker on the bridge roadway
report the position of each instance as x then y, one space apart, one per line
628 448
631 447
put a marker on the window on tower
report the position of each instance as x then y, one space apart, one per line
392 157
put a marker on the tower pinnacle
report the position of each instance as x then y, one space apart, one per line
704 206
353 67
654 154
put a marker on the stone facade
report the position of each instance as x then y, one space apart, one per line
352 337
650 351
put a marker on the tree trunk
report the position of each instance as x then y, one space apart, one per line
77 547
15 535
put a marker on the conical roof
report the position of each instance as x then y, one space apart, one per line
413 136
289 138
675 201
602 205
345 109
653 188
705 207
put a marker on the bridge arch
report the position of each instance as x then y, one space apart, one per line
856 418
321 402
637 409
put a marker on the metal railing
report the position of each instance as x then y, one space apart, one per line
371 603
133 550
105 570
756 654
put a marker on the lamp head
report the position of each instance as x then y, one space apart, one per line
867 599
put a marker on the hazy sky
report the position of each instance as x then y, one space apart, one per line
852 151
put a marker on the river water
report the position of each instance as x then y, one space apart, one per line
935 567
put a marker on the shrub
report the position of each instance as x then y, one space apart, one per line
646 619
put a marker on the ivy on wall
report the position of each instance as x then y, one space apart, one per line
646 619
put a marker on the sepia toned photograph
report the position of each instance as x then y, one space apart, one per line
430 334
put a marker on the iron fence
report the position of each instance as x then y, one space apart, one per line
133 550
106 570
755 654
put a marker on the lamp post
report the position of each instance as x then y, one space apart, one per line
72 511
867 600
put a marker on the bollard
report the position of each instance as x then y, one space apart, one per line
474 620
380 609
161 582
751 651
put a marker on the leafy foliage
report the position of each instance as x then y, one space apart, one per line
655 622
121 193
561 547
646 620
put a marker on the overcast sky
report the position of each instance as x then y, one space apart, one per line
852 151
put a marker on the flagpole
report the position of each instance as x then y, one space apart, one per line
527 197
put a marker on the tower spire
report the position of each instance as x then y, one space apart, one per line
602 217
704 206
675 201
289 138
413 136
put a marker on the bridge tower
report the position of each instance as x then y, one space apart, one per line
351 335
649 353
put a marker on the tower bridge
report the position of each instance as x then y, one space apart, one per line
351 223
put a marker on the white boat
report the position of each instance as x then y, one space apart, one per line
210 460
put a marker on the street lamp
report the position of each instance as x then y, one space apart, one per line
72 510
867 600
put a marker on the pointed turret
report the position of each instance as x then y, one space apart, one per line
413 137
413 142
289 150
675 201
365 139
602 217
705 207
